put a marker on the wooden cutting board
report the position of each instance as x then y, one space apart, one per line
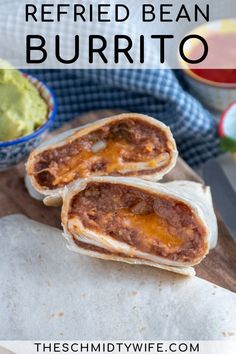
218 267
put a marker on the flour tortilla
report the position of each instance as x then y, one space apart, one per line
49 292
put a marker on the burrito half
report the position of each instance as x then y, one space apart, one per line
169 226
124 145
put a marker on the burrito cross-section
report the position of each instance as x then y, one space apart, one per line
124 145
141 222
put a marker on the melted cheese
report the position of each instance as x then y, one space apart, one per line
151 227
81 165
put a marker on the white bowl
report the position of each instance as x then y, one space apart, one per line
213 94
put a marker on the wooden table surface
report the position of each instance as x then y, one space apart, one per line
218 267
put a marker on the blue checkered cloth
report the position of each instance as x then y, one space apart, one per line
158 93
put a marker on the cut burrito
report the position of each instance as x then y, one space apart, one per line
124 145
170 226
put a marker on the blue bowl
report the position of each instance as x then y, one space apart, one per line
14 151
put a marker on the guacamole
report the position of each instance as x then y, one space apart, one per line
22 110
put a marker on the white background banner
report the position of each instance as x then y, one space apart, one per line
115 347
67 34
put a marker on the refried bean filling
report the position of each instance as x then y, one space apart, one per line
128 147
157 225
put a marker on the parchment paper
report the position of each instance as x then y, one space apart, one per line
48 292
